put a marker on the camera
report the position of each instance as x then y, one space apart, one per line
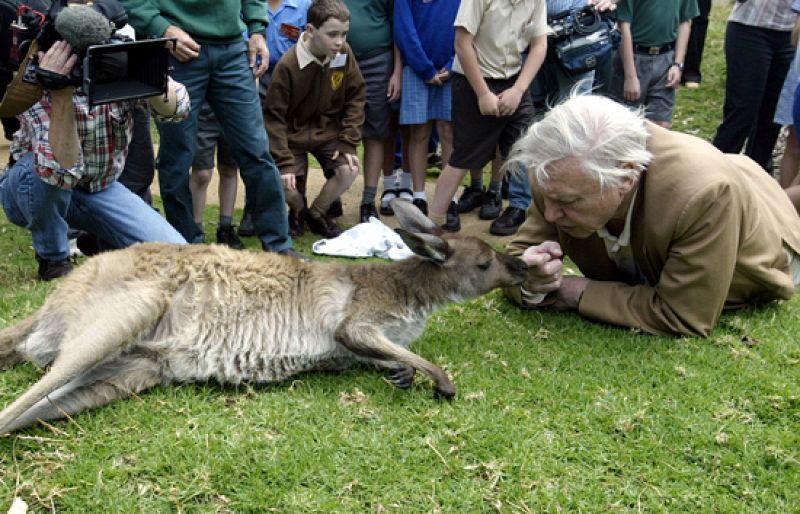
110 67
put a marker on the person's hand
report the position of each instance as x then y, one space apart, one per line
185 48
58 58
435 81
570 292
488 104
258 54
673 77
602 5
508 101
444 75
289 181
352 160
545 267
394 87
632 90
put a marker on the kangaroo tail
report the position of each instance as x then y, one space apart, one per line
9 339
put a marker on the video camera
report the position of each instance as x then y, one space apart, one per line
110 67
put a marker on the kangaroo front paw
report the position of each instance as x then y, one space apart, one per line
446 390
402 377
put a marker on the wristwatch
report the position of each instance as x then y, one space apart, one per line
679 65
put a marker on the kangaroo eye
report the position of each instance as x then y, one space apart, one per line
486 265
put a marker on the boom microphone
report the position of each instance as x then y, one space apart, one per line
82 26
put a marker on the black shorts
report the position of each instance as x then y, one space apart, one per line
210 136
475 136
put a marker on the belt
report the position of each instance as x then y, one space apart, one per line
653 50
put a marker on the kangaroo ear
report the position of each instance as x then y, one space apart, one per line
412 219
426 245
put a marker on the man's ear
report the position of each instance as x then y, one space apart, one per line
629 182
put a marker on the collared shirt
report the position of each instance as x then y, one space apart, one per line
766 14
285 27
619 248
304 55
502 30
104 132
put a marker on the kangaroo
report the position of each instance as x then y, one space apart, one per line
154 314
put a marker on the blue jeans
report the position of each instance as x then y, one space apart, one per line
221 75
519 189
116 216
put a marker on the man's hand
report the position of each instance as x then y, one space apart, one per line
544 267
570 292
508 101
289 181
602 5
185 48
394 87
257 48
58 59
673 77
632 90
488 104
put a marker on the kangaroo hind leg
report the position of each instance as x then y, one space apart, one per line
117 322
128 374
367 341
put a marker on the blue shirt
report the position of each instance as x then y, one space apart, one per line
558 6
285 26
425 34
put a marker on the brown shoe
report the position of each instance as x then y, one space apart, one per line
297 222
323 225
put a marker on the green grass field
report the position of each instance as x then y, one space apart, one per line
553 414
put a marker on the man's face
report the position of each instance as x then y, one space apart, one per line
574 202
327 40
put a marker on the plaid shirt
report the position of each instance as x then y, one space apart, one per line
766 14
103 131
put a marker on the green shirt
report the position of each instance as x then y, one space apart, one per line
655 23
370 25
217 21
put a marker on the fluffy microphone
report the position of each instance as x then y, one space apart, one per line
82 26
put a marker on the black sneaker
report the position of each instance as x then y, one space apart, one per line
49 270
367 211
491 206
246 227
88 244
453 223
509 222
470 199
421 204
335 210
291 252
226 236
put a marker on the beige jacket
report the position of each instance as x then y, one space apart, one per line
708 231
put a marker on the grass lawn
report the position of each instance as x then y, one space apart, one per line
553 413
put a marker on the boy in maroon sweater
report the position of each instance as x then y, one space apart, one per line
315 103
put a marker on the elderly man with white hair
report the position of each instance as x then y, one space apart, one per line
666 230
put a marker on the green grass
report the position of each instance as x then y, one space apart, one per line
553 414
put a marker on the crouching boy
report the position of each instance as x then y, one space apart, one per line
315 103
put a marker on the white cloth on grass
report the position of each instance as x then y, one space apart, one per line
373 239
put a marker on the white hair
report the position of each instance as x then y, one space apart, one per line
602 134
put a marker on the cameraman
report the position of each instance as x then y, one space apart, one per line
69 180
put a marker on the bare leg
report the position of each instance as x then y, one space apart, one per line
333 188
446 187
228 183
418 137
445 130
198 185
